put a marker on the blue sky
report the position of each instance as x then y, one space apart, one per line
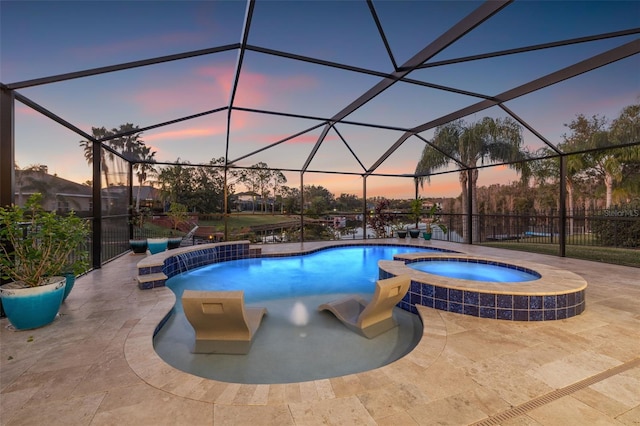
40 39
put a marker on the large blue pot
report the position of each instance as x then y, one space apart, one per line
33 307
70 281
157 245
138 246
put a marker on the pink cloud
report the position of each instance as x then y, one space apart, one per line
208 87
25 110
184 134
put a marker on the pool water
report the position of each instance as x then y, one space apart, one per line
295 342
474 271
351 269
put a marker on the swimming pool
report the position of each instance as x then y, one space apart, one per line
295 342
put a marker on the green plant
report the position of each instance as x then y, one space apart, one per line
38 244
415 213
139 217
433 218
177 214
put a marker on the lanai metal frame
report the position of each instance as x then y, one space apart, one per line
10 93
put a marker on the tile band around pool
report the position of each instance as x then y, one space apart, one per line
557 294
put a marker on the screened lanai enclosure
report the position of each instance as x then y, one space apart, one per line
518 120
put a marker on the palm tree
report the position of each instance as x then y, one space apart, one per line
144 170
129 144
98 133
495 140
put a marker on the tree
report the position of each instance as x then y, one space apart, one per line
605 165
625 129
200 188
548 170
144 170
176 183
495 140
348 202
317 200
130 145
177 214
290 199
105 156
257 179
208 187
277 180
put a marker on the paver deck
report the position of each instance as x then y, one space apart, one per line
95 365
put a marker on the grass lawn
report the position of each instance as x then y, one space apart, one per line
618 256
236 221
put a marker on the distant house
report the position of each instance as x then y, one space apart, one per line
246 201
58 194
149 196
63 195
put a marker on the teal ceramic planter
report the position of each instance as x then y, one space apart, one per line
138 246
157 245
174 243
33 307
69 282
426 235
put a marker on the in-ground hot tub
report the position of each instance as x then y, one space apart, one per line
556 294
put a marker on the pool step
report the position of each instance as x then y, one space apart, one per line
149 281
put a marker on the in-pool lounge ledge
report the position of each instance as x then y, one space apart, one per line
557 294
154 270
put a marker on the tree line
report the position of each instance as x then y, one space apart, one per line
594 177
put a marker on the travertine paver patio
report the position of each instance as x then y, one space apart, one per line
95 365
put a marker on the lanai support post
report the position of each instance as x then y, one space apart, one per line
7 147
364 207
132 206
469 211
302 207
563 207
96 240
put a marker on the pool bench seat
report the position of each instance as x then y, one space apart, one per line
373 318
222 323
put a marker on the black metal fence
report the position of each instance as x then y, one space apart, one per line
604 228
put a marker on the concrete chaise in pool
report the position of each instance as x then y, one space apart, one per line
222 323
373 318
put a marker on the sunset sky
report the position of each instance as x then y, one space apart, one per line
45 38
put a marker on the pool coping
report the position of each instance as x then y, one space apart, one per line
554 280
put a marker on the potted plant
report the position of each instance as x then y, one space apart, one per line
37 247
433 219
399 229
415 214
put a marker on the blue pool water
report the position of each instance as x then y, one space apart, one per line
352 269
474 271
295 342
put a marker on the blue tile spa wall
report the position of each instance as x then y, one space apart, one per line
495 306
